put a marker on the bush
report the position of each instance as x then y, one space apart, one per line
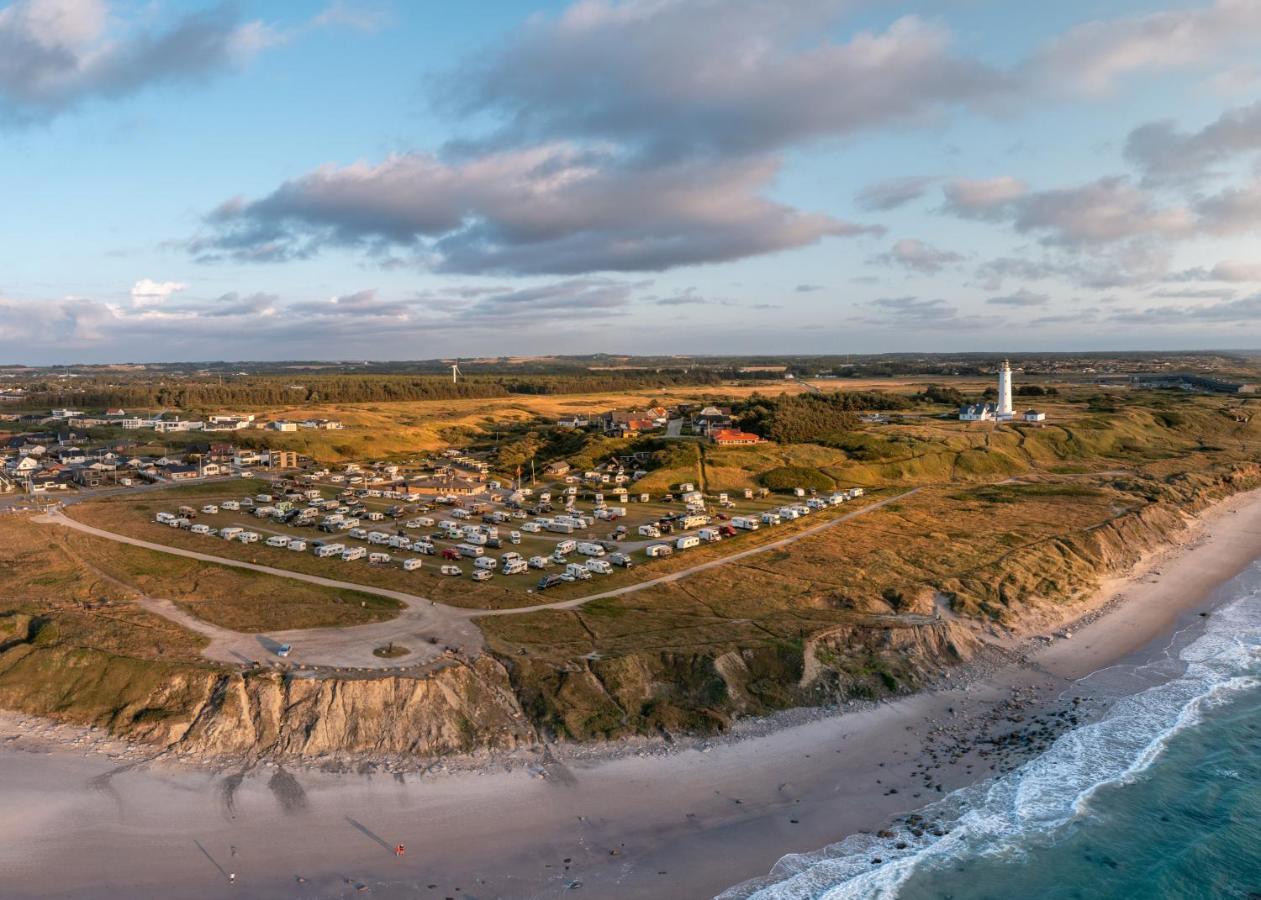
787 478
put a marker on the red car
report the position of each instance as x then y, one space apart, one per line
727 531
450 553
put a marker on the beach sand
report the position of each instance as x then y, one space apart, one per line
685 823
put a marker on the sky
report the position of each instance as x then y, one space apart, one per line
407 179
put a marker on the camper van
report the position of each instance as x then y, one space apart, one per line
452 570
566 547
539 562
687 542
651 531
531 527
329 550
747 523
488 563
200 529
353 553
230 532
514 566
210 509
298 545
470 550
249 537
709 535
411 565
599 566
621 559
483 575
578 571
278 540
587 549
655 551
770 518
378 559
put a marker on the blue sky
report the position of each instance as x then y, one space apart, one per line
343 180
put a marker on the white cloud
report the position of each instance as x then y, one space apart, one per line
147 292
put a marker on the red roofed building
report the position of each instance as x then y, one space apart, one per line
733 437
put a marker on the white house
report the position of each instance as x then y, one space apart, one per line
1033 415
977 412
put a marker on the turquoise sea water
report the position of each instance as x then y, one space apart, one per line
1159 798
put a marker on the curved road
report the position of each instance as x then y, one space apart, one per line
425 627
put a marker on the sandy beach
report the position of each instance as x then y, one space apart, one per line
687 822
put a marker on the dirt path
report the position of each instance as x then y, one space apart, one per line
424 627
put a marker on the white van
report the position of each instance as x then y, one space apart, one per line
470 550
486 562
539 562
210 509
514 566
599 566
249 537
651 531
411 565
329 550
709 535
200 529
451 570
578 571
566 547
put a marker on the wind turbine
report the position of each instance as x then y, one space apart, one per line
455 373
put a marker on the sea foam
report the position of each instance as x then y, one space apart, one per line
1032 802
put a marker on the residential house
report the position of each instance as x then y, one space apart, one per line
182 472
711 419
732 437
450 486
556 469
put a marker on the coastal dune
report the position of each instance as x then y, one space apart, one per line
648 823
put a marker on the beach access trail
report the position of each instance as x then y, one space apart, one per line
425 627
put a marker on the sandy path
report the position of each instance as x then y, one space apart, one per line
424 627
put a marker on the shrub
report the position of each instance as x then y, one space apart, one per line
786 478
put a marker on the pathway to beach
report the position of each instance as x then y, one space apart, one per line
427 628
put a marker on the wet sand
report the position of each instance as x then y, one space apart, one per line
74 823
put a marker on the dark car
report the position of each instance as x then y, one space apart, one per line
549 581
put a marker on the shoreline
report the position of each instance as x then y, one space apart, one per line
705 814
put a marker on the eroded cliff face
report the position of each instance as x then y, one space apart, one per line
892 645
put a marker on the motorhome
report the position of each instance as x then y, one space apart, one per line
230 532
486 562
329 550
578 571
746 523
709 535
566 546
514 566
378 559
210 509
483 575
451 570
655 551
651 531
470 550
297 544
200 529
539 562
587 549
249 537
599 566
770 518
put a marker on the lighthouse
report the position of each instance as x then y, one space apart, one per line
1005 410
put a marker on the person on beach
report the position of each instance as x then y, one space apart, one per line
400 850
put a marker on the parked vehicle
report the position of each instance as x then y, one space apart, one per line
278 540
566 547
297 544
200 529
687 542
486 562
588 549
329 550
539 562
483 575
747 523
578 571
621 559
353 553
514 566
248 537
210 509
378 559
709 535
451 570
549 581
230 532
412 564
656 551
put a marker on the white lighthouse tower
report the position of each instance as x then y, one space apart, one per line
1005 410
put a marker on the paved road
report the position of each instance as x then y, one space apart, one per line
424 627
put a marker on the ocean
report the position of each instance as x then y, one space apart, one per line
1159 798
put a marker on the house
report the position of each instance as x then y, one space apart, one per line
1033 415
210 469
229 422
731 437
66 413
282 459
182 473
711 419
115 413
978 412
574 421
281 425
556 469
163 426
